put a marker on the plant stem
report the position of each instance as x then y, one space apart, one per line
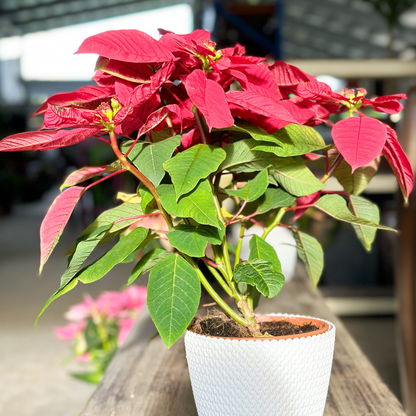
220 280
331 170
240 242
275 223
200 126
215 295
170 126
141 177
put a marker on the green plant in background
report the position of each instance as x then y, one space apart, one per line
96 328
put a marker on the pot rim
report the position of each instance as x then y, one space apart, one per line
323 326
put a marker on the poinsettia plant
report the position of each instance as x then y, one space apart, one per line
195 126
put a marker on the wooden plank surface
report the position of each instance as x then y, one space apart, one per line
146 379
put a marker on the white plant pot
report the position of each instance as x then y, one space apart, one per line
262 377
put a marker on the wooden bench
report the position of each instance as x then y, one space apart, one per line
146 379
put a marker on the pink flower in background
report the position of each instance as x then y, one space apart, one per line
109 318
69 331
110 303
80 311
125 327
83 358
135 297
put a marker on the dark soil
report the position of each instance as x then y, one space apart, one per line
218 324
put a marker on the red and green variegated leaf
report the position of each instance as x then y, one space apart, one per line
258 104
399 162
82 175
55 221
85 95
138 73
30 140
65 138
126 46
210 99
359 140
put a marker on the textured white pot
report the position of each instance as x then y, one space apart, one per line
270 377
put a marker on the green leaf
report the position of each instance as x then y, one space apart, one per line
192 240
296 178
93 377
58 294
335 206
109 217
125 210
149 157
362 208
241 157
259 249
173 295
293 140
147 198
354 183
84 246
260 273
311 253
187 168
146 263
254 188
115 255
274 198
198 204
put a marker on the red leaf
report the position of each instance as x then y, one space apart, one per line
158 116
64 138
31 140
82 175
261 105
127 46
258 78
387 104
399 162
55 220
305 200
209 98
315 90
85 95
191 138
319 113
124 90
359 140
138 73
288 75
62 117
143 92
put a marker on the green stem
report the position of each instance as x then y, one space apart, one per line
275 223
220 302
220 280
240 243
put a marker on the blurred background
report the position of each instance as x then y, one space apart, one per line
345 43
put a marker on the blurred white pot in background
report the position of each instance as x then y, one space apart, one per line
280 238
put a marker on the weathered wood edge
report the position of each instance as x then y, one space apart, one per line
146 379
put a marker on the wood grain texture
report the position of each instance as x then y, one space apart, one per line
146 379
